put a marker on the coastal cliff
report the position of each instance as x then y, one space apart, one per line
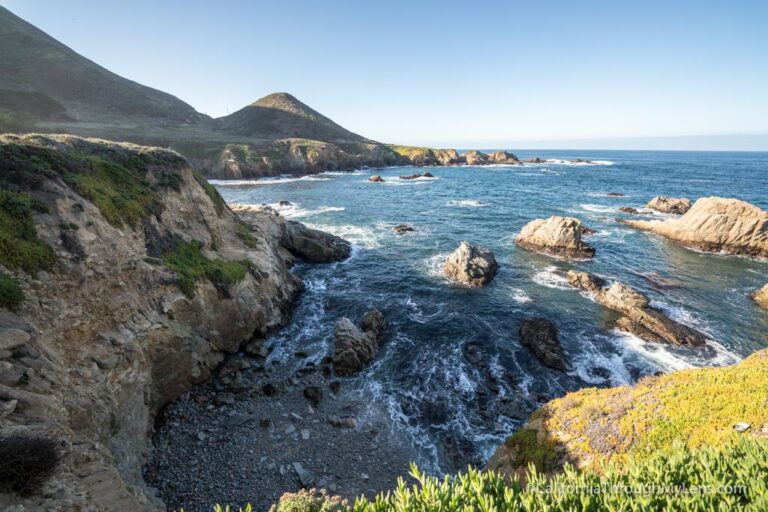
124 281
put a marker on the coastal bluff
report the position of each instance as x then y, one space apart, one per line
130 282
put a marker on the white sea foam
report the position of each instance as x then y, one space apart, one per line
467 203
295 211
343 173
359 235
264 181
558 161
520 296
435 264
551 279
597 208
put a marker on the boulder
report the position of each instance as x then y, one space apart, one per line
502 157
555 236
663 204
402 228
474 266
355 347
376 179
715 224
312 245
535 160
427 175
761 296
539 335
585 281
283 202
476 158
644 321
629 209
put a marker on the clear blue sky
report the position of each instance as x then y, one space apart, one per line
463 74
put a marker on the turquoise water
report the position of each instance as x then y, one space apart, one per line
453 374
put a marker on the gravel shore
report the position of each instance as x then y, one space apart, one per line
254 433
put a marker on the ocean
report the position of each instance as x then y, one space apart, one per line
452 373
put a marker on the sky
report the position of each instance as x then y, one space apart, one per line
513 74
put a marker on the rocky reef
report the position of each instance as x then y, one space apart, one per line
471 265
539 335
355 347
131 282
637 314
555 236
715 224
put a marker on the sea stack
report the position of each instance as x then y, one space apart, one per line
556 236
474 266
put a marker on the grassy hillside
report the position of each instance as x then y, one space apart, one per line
44 80
282 116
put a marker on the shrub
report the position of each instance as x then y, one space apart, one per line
681 478
11 295
19 246
213 194
28 461
189 262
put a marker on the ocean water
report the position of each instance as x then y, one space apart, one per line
452 373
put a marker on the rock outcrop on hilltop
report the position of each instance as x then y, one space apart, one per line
539 335
761 296
355 347
555 236
141 281
664 204
637 315
715 224
471 265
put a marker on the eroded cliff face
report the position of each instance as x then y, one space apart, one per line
154 281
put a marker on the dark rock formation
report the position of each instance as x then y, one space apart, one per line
539 335
355 347
376 179
402 228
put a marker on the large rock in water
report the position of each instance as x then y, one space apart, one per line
475 266
313 245
555 236
645 321
355 347
540 336
475 157
502 157
715 224
663 204
761 296
637 314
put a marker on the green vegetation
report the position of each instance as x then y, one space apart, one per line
697 406
188 261
678 478
244 234
212 193
11 295
530 450
19 246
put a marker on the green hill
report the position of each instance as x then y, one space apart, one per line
282 116
44 82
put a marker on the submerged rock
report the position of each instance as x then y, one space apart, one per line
475 266
555 236
539 335
402 228
663 204
715 224
615 194
355 347
761 296
629 210
376 179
